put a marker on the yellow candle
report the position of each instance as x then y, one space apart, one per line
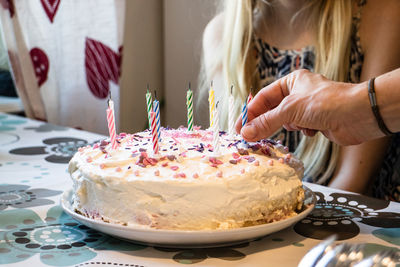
211 103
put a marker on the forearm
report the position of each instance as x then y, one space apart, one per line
356 115
387 88
341 111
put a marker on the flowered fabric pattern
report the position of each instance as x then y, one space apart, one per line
58 81
47 127
22 196
40 63
338 213
8 5
50 7
59 150
35 232
9 124
58 239
102 65
191 256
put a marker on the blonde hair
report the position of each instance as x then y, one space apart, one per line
332 52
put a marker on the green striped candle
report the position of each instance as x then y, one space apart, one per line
189 104
149 106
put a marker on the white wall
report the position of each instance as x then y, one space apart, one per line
142 61
162 46
184 22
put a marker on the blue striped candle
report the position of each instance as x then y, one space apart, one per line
244 117
156 109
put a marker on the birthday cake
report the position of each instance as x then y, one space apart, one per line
187 185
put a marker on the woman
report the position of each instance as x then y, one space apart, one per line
252 43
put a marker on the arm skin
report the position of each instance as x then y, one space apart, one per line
379 35
309 102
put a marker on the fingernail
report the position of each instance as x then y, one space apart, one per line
249 131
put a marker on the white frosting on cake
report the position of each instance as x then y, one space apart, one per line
186 186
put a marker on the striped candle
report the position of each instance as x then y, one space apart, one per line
149 106
211 104
156 109
111 124
231 114
244 117
153 119
216 144
189 104
249 98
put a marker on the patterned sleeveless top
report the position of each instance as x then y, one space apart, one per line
273 63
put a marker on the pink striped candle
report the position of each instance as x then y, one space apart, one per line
111 124
153 117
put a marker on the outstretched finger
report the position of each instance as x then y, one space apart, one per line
266 99
263 125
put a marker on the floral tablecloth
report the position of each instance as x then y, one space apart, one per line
34 231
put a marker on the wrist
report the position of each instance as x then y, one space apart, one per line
364 120
388 104
375 107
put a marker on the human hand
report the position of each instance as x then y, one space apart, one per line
309 102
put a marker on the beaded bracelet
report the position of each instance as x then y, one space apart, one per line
375 108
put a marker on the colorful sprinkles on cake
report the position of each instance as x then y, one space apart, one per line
181 148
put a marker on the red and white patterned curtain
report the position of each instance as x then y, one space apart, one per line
65 57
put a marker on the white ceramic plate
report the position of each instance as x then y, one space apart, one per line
188 239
